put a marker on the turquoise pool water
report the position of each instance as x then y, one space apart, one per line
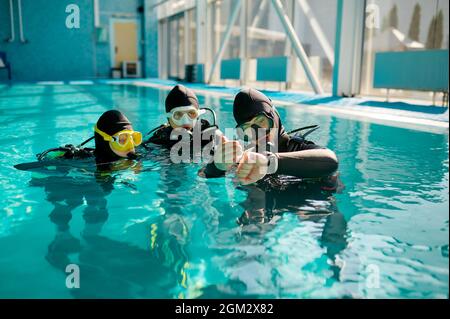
157 230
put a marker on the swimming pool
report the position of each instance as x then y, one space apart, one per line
158 230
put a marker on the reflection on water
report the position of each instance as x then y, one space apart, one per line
110 268
154 229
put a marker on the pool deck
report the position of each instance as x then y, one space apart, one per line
419 117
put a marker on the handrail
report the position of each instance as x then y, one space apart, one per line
11 17
19 10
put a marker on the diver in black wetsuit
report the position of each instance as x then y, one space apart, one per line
297 178
183 112
114 138
278 154
109 267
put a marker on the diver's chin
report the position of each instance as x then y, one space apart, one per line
132 155
125 154
187 127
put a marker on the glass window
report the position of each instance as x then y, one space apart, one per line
266 36
315 25
403 26
192 44
173 70
221 11
181 46
176 47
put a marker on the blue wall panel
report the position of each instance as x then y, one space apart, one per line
230 69
53 51
272 69
425 70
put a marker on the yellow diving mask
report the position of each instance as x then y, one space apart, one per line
122 141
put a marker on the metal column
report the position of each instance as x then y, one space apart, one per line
297 46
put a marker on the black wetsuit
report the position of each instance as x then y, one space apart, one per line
292 161
110 122
162 135
179 96
292 152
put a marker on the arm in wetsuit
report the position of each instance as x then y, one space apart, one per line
304 160
311 161
162 135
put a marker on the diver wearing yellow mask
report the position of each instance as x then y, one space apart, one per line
115 137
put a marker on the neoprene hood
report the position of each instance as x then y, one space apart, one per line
181 96
249 103
111 122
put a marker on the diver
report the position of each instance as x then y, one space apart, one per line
183 114
114 138
279 153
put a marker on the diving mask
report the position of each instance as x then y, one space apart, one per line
122 141
185 115
258 124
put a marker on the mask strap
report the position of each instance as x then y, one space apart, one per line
87 141
105 136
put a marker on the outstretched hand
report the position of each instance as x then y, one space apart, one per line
252 167
227 153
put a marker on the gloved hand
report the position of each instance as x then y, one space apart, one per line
227 153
